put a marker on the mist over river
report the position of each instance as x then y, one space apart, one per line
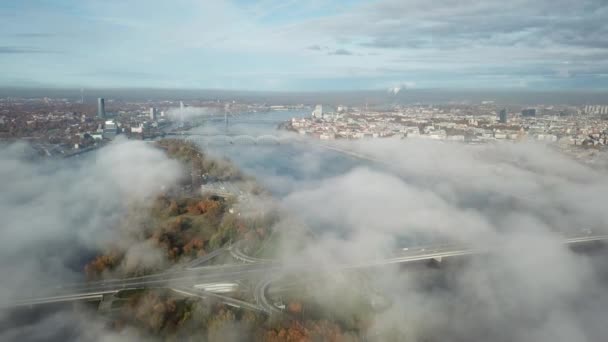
281 168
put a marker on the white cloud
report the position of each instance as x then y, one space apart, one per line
54 213
514 200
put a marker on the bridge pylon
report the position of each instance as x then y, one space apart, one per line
105 305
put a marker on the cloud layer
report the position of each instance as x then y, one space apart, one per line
517 201
55 213
316 45
452 192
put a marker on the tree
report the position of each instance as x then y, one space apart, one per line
173 209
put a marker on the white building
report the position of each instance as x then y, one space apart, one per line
318 112
110 129
139 129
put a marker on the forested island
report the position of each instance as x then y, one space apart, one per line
182 224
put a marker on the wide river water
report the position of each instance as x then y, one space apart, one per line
281 168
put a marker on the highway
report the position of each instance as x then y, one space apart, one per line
261 271
237 253
207 274
260 292
438 253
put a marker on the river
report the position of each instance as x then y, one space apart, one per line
280 168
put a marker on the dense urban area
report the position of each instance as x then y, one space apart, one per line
63 127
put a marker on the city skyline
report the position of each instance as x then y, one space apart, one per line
291 46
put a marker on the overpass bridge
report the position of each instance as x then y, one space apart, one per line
195 279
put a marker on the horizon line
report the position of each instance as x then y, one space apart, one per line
380 90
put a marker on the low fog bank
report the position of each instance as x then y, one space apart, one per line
191 113
56 214
433 192
60 325
516 201
285 169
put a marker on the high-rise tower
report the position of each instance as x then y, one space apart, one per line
101 108
502 117
181 111
152 113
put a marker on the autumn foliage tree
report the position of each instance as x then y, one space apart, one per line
157 312
304 331
102 264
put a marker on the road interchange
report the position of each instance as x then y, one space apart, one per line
189 280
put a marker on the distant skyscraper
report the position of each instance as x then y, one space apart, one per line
101 108
502 116
181 111
152 113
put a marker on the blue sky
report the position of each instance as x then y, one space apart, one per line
305 45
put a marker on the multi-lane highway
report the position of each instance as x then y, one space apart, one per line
260 295
260 271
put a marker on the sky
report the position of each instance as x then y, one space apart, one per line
316 45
